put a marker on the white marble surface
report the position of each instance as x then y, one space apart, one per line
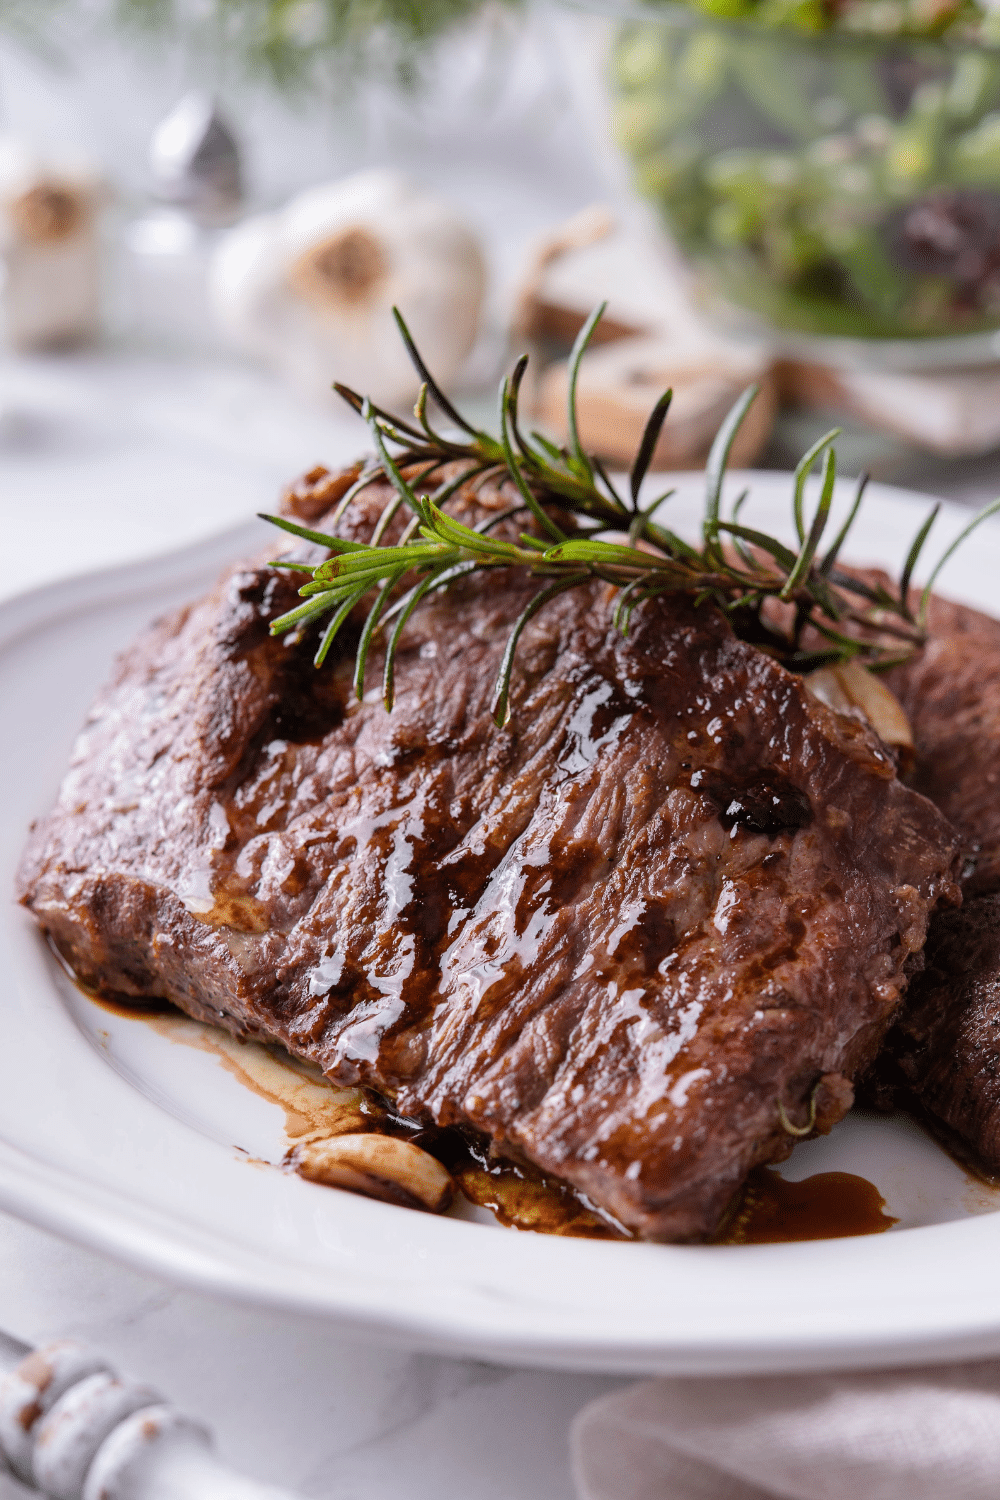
294 1402
106 457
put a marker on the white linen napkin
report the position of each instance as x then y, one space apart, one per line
923 1434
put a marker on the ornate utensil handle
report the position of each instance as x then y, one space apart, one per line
75 1430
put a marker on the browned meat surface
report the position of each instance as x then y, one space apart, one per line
947 1044
673 896
951 694
944 1055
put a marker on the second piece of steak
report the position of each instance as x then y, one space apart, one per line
944 1054
951 694
674 898
947 1043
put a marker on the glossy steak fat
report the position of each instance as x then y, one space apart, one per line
674 897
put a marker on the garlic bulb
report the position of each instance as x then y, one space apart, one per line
49 254
311 288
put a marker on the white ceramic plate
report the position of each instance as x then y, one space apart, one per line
114 1135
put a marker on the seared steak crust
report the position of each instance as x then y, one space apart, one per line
672 896
951 694
943 1056
947 1043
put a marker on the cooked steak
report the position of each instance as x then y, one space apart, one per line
951 693
947 1043
943 1057
673 900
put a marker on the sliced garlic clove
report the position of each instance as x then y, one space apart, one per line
377 1166
851 689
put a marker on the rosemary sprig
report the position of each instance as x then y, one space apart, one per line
574 505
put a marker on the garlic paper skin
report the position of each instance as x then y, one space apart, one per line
849 688
49 252
311 288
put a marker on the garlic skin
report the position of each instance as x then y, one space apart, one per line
49 251
311 288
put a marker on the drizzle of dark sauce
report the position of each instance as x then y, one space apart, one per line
770 1210
131 1009
828 1206
762 802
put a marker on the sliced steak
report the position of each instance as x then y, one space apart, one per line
676 897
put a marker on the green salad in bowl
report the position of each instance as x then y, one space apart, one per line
830 167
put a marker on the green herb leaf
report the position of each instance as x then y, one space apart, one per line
802 471
583 338
977 520
650 438
501 697
715 469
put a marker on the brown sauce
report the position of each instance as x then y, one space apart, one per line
763 802
828 1206
129 1008
771 1210
521 1197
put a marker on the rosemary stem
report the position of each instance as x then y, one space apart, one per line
571 498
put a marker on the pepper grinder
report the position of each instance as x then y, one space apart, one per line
73 1429
198 191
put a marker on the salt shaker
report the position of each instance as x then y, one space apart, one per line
198 187
49 250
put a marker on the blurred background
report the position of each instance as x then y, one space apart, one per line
207 208
207 211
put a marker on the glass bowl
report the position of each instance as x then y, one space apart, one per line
839 191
